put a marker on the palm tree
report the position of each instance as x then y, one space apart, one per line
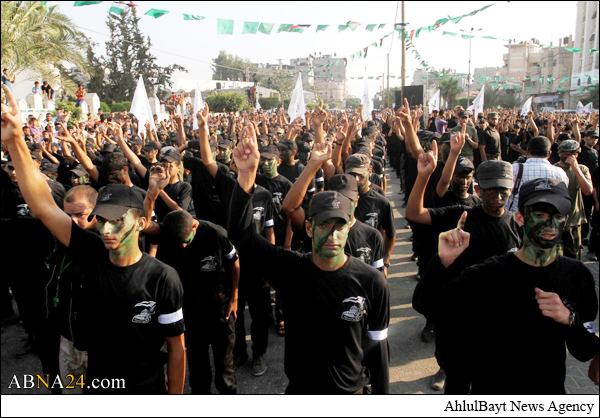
492 96
449 90
37 41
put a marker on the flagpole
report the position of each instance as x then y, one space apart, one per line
388 81
403 54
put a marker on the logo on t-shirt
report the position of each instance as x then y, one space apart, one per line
258 211
365 255
277 198
210 265
356 311
23 211
373 219
145 317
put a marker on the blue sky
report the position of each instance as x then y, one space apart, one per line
194 44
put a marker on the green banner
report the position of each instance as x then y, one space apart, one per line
86 3
193 17
371 28
156 13
321 28
266 28
284 28
225 27
250 27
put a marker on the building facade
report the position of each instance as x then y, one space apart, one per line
585 62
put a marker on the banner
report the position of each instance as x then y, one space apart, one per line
140 106
297 107
478 103
527 107
198 105
434 103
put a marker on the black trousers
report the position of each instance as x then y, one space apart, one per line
28 288
219 335
261 312
7 306
588 204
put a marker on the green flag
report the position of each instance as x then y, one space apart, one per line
381 26
371 78
321 28
592 51
489 37
250 27
573 49
156 13
224 27
118 8
284 28
374 44
467 36
337 63
266 28
371 28
342 28
193 17
456 20
86 3
352 56
449 33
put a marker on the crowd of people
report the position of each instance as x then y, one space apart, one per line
144 246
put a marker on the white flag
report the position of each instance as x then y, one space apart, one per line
366 101
434 103
297 107
140 106
257 104
590 107
198 105
527 107
478 104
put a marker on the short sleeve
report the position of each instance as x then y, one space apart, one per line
379 252
170 304
388 221
228 251
269 212
86 246
379 317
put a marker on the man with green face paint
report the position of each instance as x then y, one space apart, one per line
323 287
516 313
135 302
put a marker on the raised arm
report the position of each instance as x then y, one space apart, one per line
318 118
33 186
82 156
133 159
415 210
533 126
413 145
205 151
457 142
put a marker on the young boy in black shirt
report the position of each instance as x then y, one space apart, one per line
135 302
326 286
515 313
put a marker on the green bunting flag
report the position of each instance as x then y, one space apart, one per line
352 57
592 51
381 42
250 27
381 26
284 28
193 17
374 44
573 49
456 20
118 8
449 33
224 27
371 28
342 28
353 25
266 28
156 13
467 36
489 37
86 3
360 54
321 28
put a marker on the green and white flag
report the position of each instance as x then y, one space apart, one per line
321 28
434 103
250 27
371 28
224 27
118 8
266 28
86 3
156 13
193 17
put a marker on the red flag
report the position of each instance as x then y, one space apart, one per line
412 33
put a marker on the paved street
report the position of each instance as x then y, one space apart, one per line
412 362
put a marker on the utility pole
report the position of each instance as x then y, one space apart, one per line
388 82
469 76
403 54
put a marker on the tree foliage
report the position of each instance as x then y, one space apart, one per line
230 67
449 90
36 39
128 57
227 102
269 103
353 102
278 80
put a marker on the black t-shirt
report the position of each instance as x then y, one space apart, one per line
452 122
588 158
366 244
490 315
375 210
279 188
204 267
522 141
207 203
506 138
450 199
490 236
491 140
353 302
291 172
180 192
131 311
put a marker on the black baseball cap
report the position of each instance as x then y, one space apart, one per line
593 134
358 164
79 171
464 166
172 156
288 145
225 143
135 141
114 200
329 205
49 168
270 151
151 146
551 191
344 184
563 137
492 174
303 148
464 114
109 148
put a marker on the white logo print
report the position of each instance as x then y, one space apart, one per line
106 197
365 255
373 219
544 185
336 204
277 198
210 265
357 311
23 210
146 316
258 213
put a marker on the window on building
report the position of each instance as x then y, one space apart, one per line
589 80
579 82
554 63
593 37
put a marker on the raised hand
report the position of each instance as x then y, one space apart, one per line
246 154
64 135
158 178
319 115
454 242
457 142
202 115
321 153
428 161
12 124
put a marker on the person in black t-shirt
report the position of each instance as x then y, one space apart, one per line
324 287
490 148
135 304
537 300
209 269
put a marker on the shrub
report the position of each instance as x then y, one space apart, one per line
311 106
228 102
119 107
70 107
105 108
269 103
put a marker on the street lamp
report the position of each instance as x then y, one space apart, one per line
469 77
